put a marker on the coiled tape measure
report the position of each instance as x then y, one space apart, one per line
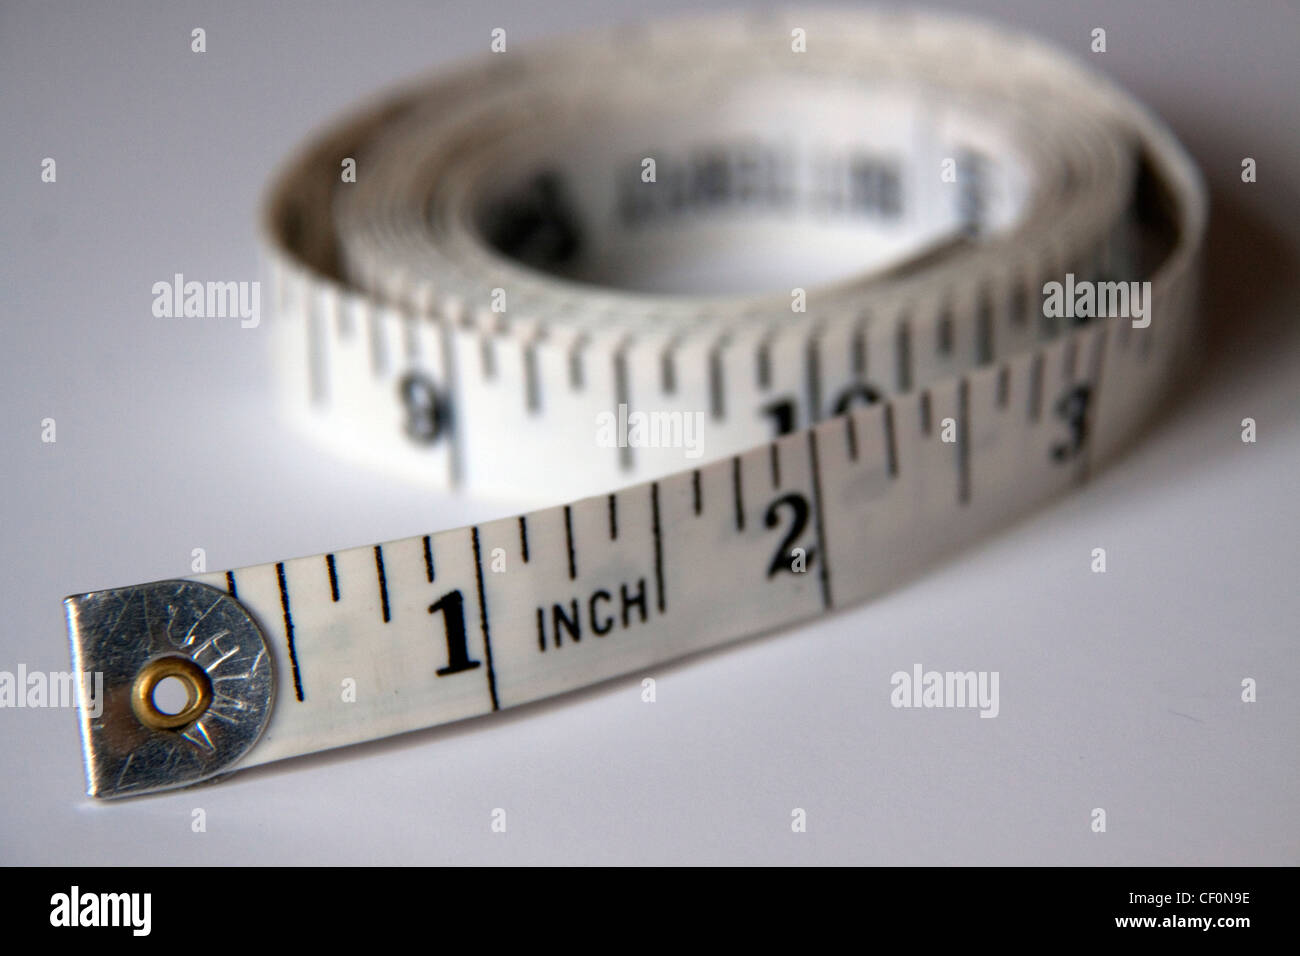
520 288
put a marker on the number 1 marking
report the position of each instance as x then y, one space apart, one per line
452 606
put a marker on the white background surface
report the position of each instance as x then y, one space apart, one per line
1119 691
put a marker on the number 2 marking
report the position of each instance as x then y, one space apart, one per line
798 504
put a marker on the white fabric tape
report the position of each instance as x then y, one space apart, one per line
785 307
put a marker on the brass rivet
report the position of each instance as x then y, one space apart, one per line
198 690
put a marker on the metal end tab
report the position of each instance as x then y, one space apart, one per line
133 639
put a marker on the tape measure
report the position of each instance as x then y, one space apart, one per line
785 307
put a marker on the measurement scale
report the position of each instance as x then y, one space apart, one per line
778 305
